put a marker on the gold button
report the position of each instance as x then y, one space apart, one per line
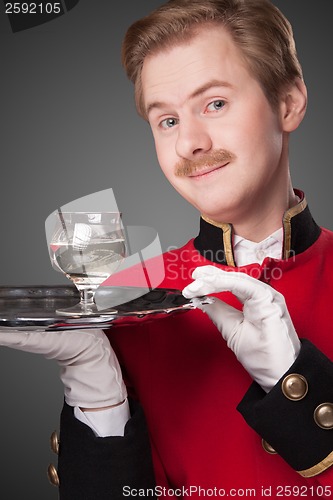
52 474
294 387
267 447
323 416
54 442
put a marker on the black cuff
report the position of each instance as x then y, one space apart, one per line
93 468
291 416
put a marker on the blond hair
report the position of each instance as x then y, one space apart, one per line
261 32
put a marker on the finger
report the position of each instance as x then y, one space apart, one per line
226 318
205 271
213 280
10 337
60 345
197 288
32 341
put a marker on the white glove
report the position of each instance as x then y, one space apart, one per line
262 335
89 368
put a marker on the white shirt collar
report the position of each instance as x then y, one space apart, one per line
249 252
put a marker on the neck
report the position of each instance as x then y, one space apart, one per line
261 211
259 216
267 217
215 240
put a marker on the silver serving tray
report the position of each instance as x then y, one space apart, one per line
34 307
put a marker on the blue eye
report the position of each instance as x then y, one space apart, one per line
169 123
216 105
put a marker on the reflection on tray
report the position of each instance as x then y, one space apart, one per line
34 307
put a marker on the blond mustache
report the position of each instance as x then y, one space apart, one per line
217 157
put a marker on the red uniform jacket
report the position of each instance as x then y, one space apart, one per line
205 417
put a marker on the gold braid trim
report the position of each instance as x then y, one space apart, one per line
318 468
289 214
227 239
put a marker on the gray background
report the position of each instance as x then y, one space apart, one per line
69 128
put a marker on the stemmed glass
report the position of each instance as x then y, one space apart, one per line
87 247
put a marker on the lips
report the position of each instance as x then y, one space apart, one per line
205 171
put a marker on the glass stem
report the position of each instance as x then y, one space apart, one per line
87 296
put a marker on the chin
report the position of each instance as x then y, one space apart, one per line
224 207
223 214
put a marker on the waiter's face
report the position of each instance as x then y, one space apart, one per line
201 99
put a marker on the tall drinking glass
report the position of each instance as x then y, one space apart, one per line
87 247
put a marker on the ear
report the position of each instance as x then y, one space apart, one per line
293 105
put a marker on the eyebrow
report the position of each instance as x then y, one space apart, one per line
198 92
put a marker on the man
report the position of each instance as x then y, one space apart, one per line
232 401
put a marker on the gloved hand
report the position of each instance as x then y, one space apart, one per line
89 368
262 336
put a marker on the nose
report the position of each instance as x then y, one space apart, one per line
193 138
